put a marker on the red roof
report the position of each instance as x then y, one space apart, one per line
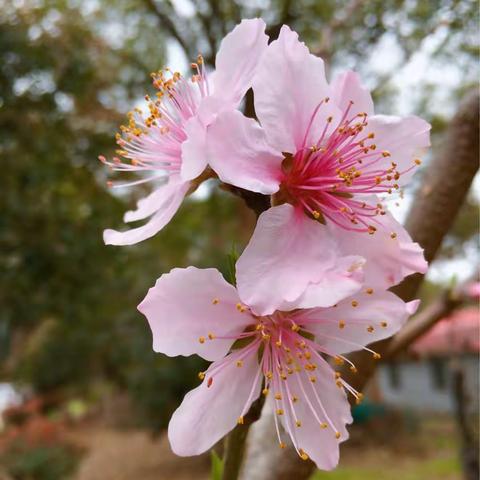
458 333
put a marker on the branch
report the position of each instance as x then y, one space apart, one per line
421 323
445 186
170 26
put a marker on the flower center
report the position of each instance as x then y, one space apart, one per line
332 178
151 143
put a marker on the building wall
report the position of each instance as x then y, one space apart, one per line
426 385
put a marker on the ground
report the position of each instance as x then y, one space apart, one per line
430 453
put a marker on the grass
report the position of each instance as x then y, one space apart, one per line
437 469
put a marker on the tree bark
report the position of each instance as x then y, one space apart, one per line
446 183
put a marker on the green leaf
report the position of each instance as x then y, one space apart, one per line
217 466
231 261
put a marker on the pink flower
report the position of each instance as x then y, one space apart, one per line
321 149
281 355
168 144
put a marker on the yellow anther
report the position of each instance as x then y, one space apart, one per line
269 375
393 235
417 161
354 303
359 398
278 396
211 336
353 369
339 383
313 379
279 411
377 356
215 301
201 375
385 153
316 214
323 425
240 420
298 423
282 445
370 329
295 327
308 355
303 455
278 343
283 376
329 119
378 180
239 363
201 339
338 360
341 324
294 399
384 324
265 391
369 291
337 435
371 229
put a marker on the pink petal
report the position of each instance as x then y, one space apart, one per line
344 279
188 304
167 208
289 85
348 87
194 149
208 413
240 154
155 201
357 321
388 260
287 253
237 59
404 138
319 443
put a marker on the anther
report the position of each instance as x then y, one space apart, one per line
337 435
354 303
369 291
298 423
323 425
265 391
303 455
278 396
417 161
239 363
384 324
211 336
240 420
370 329
341 324
201 339
393 235
353 369
201 375
316 214
377 356
279 411
215 301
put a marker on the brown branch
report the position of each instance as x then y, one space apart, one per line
445 304
443 191
170 26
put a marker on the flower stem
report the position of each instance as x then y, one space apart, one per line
235 442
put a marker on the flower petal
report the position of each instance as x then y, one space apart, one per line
289 85
287 252
403 138
347 88
344 279
390 253
240 155
188 304
357 321
167 209
320 402
237 59
208 413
